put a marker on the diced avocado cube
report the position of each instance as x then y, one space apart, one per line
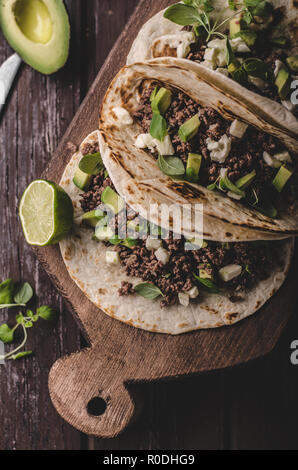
82 180
282 177
248 36
283 83
162 101
235 26
293 63
111 199
103 233
194 163
93 217
246 180
189 129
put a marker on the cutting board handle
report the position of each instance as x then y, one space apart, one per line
88 391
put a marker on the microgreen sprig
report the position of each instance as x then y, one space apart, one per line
12 297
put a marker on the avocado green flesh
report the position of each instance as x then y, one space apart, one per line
249 37
92 218
111 199
82 180
293 63
283 83
38 30
194 163
162 101
282 177
103 233
189 129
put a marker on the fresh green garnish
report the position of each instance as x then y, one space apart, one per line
171 166
207 284
248 36
148 291
282 177
266 208
213 186
189 129
280 42
27 321
91 164
246 180
161 101
158 127
154 93
12 297
226 184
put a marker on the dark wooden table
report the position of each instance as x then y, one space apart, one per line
251 407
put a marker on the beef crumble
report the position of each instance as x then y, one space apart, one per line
245 156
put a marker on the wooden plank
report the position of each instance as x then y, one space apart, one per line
137 355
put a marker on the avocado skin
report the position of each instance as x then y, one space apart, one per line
16 40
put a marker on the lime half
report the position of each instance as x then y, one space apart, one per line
46 213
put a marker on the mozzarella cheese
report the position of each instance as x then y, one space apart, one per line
162 255
184 299
238 128
230 272
181 42
283 157
193 293
123 116
220 150
112 257
239 45
153 244
271 161
147 141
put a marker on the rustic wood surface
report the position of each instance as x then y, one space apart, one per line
251 407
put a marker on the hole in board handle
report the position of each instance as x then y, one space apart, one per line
97 406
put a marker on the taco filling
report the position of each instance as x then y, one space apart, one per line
197 144
247 46
176 270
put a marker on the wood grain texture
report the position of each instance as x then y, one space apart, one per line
248 407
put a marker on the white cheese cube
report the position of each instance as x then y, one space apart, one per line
162 255
230 272
153 244
238 129
112 257
144 141
283 157
219 150
123 116
232 195
184 299
239 45
271 161
193 293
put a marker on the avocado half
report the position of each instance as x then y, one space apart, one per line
38 30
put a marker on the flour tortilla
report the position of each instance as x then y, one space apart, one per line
86 264
150 43
135 172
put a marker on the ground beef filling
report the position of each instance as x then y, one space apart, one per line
246 154
177 275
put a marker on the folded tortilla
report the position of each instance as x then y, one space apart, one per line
86 263
139 180
158 35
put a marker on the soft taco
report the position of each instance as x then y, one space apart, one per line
252 45
169 135
157 281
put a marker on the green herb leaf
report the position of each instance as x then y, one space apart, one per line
183 15
158 127
207 284
6 334
148 291
20 318
232 5
24 294
6 291
171 166
257 68
154 93
91 164
20 355
47 313
230 54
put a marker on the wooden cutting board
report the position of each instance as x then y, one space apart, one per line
89 388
